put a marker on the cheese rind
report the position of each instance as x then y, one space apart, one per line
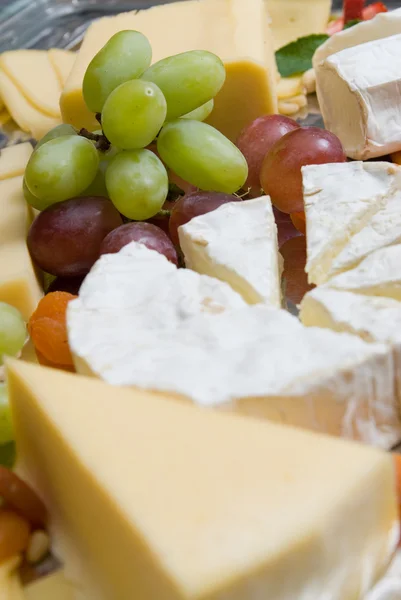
340 200
32 72
252 359
237 243
238 33
189 550
27 117
358 92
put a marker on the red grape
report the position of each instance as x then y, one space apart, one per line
285 227
281 177
296 280
64 240
145 233
255 141
298 219
192 205
71 285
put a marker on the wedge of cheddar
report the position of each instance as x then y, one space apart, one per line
292 19
62 61
19 284
238 32
237 243
352 209
175 492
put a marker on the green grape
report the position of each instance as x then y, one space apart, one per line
6 428
12 331
8 455
125 56
32 200
201 113
61 169
187 80
203 156
98 185
55 133
134 114
137 183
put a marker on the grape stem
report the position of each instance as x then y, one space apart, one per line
102 143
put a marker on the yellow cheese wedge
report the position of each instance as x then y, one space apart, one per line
19 285
292 19
52 587
154 499
13 160
62 61
235 30
33 74
27 117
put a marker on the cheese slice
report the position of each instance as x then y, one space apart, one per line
288 87
358 97
176 492
178 334
238 32
377 275
27 117
19 285
51 587
14 159
340 201
381 26
5 116
297 18
374 319
62 62
237 243
32 72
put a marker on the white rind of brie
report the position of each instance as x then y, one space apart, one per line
237 243
138 323
359 97
351 210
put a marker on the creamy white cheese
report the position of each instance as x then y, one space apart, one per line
341 199
359 91
237 243
138 322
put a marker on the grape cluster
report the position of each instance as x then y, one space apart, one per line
151 132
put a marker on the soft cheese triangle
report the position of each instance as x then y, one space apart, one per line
141 322
374 319
176 488
341 199
237 243
359 97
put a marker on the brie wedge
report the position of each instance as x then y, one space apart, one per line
374 319
351 210
138 322
359 97
237 243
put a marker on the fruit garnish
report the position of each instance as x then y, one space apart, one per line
298 219
281 176
296 280
14 534
48 329
20 497
147 234
296 57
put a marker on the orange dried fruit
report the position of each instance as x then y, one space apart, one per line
14 534
48 329
298 220
19 496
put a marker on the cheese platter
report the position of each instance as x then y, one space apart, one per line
199 300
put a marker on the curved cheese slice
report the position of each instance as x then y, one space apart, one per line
27 117
13 160
196 505
138 322
237 243
62 61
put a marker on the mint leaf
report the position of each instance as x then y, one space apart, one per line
352 23
296 57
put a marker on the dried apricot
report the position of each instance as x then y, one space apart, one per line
48 329
19 496
298 220
14 534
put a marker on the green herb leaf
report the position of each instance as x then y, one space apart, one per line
296 57
352 23
7 455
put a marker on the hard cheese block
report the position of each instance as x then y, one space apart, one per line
374 319
51 587
352 209
237 243
32 72
217 351
358 96
187 512
238 32
297 18
19 285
